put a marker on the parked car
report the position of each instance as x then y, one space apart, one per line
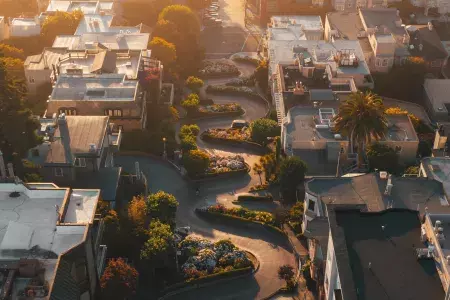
259 196
238 124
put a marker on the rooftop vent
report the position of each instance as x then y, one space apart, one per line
14 195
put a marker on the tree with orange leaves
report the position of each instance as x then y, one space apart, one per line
119 280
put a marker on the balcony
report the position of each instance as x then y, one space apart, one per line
115 138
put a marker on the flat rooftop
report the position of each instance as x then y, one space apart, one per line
395 272
91 61
24 22
102 23
109 40
105 87
437 91
383 18
306 22
87 7
438 168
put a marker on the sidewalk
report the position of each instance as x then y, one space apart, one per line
299 249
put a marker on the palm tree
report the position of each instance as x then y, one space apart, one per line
362 119
258 170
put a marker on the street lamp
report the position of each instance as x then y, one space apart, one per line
165 152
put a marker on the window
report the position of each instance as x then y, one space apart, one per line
385 62
311 205
68 111
378 62
31 79
398 149
80 162
113 112
59 172
349 5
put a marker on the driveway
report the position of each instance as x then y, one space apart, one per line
271 249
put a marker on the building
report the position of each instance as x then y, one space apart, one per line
345 25
86 7
45 68
23 27
110 40
290 28
436 93
50 244
433 7
111 95
78 151
103 23
375 255
426 43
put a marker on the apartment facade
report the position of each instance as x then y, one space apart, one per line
79 151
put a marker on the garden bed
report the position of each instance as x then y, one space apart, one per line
218 68
204 262
263 219
218 110
239 139
253 197
246 59
232 90
210 174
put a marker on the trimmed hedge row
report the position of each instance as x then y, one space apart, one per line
232 90
205 115
221 174
255 146
230 217
208 279
246 59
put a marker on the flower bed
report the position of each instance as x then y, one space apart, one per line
242 81
251 215
220 164
230 215
220 108
259 187
205 258
246 59
231 90
238 137
218 68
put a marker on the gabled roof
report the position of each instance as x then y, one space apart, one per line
432 47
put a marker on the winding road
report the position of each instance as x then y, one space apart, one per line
271 249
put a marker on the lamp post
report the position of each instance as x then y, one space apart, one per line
165 152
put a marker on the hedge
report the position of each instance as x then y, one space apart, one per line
232 90
208 278
221 174
205 115
246 59
209 138
230 217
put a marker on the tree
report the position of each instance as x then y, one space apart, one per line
270 166
18 127
163 50
162 206
261 129
189 130
194 84
119 280
188 143
262 75
292 173
362 119
277 148
191 103
11 51
137 212
61 23
258 170
179 25
157 248
382 157
286 273
196 162
424 149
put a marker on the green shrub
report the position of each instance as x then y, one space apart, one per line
188 143
261 129
189 130
196 162
191 102
194 83
383 158
246 59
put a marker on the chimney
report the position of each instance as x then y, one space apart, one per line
2 167
430 26
10 169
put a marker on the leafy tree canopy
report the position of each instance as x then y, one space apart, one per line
189 130
18 128
183 17
137 211
61 23
159 244
194 83
196 162
262 75
188 143
162 206
163 50
11 51
383 158
292 172
191 102
261 129
119 280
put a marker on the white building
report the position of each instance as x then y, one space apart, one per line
4 31
86 7
289 28
23 27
